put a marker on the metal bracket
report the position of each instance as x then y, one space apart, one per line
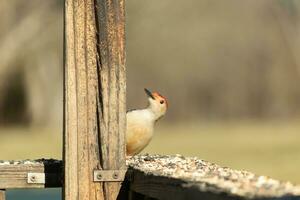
109 175
36 178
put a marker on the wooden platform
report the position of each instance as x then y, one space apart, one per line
162 177
178 177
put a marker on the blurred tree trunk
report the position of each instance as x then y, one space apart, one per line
289 26
30 48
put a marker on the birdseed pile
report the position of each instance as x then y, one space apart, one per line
40 162
209 177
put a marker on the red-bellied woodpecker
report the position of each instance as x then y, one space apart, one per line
140 123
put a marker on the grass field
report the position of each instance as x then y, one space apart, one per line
271 148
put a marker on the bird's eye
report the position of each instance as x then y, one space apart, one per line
162 102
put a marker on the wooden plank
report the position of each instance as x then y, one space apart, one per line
160 187
2 194
178 177
112 105
13 174
94 108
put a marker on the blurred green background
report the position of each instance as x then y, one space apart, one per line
230 70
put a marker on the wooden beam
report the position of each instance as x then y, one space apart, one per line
2 194
94 108
161 187
178 177
14 174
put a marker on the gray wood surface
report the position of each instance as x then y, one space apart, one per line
94 109
160 187
13 174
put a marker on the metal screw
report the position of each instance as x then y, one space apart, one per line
115 175
33 178
99 176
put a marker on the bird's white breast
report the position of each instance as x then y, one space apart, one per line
139 130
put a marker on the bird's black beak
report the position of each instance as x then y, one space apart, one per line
149 93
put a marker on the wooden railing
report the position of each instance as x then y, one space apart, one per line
30 174
159 177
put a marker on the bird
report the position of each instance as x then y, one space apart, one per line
140 122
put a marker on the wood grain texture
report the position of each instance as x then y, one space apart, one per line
94 108
159 187
13 174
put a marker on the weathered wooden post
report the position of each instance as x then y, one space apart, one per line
2 194
94 108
